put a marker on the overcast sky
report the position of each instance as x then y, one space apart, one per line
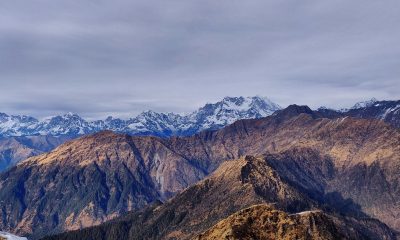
102 57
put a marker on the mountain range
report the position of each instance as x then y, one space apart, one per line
23 136
304 160
211 116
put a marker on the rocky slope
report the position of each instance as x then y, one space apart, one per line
245 185
15 149
98 177
211 116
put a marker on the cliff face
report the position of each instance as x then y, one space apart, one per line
95 178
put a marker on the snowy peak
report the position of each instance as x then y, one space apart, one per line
244 104
67 124
230 109
211 116
15 125
365 104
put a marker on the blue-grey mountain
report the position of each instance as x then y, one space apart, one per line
211 116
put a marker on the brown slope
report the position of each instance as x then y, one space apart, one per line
130 172
233 186
264 222
88 181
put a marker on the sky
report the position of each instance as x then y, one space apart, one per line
99 58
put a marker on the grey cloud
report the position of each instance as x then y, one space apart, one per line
122 57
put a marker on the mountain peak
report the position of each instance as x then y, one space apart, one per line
232 99
71 115
364 104
229 110
292 111
299 109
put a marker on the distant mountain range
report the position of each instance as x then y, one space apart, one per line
211 116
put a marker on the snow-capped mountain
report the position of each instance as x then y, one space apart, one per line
364 104
227 111
388 111
211 116
15 125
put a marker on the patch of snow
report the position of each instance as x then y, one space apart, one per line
306 212
10 236
389 110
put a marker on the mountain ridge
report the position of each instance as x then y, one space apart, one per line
211 116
